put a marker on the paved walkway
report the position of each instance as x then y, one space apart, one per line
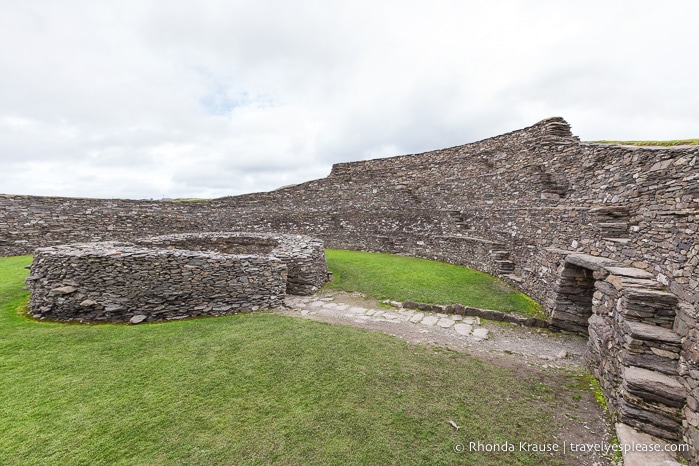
527 345
465 326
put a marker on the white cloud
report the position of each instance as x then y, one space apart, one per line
182 99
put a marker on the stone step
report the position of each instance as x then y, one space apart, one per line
609 213
630 272
643 331
648 361
514 278
653 386
615 230
500 255
655 297
505 266
618 240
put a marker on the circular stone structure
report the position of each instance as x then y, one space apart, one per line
173 277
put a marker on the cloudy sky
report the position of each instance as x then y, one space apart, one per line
153 99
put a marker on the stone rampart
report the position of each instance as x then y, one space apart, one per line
515 205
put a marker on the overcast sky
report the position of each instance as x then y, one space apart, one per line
153 99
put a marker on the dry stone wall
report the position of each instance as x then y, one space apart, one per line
514 205
303 256
173 277
120 282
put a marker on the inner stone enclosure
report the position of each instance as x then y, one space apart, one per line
173 277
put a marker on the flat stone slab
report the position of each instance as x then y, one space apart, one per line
445 322
587 261
628 437
630 272
650 296
463 329
638 380
481 333
652 332
429 320
417 317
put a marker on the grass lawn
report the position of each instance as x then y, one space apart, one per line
252 389
386 276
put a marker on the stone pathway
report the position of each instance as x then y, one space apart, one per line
526 345
465 326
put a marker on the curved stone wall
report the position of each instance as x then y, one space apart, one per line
172 277
304 256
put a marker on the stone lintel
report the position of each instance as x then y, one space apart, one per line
591 262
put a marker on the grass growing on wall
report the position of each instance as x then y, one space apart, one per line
387 276
677 142
250 389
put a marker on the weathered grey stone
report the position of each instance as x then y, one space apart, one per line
445 322
429 320
61 290
591 262
651 332
653 385
631 272
630 439
137 319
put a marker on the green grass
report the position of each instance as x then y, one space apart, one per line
190 199
386 276
677 142
250 389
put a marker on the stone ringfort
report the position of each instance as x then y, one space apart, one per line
605 237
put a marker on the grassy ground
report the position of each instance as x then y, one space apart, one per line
387 276
251 389
678 142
